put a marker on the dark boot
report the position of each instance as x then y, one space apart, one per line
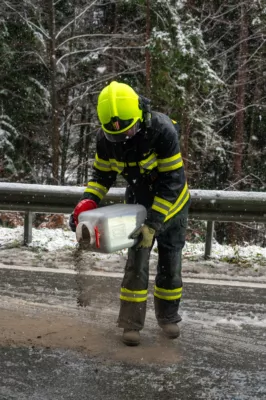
131 337
171 330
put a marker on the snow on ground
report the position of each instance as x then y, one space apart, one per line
47 239
58 239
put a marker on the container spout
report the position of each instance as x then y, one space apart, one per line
84 234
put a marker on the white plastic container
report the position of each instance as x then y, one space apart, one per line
109 228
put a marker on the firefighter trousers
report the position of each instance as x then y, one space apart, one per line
168 282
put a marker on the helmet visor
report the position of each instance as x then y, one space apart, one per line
123 136
117 125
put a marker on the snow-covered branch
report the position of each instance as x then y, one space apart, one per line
99 49
99 35
75 19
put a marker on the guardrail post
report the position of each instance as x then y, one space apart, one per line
209 236
27 228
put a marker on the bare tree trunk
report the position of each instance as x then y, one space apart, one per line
81 146
185 130
232 229
111 23
65 144
55 134
87 145
63 100
254 114
240 97
148 56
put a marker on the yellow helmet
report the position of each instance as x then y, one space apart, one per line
118 108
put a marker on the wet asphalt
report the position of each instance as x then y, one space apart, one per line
221 352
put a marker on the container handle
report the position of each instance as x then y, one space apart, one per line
97 236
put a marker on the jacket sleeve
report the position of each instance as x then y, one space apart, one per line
103 177
171 193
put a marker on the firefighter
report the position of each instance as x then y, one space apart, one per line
142 146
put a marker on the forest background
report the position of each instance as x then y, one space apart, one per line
200 62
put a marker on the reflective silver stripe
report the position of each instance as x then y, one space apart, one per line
182 199
161 205
166 294
96 189
149 163
134 295
102 166
117 169
163 164
116 165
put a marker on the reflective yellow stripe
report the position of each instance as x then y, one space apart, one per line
168 209
117 166
101 164
179 204
162 290
149 163
133 299
135 296
97 189
167 294
161 205
124 290
170 163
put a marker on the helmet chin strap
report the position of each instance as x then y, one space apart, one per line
145 106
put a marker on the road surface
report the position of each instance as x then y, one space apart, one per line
52 349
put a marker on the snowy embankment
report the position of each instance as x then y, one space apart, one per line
54 248
54 239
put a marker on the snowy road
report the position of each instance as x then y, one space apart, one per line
51 349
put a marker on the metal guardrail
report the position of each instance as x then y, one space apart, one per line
207 205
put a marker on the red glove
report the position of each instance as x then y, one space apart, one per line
83 205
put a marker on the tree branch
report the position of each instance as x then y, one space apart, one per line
75 19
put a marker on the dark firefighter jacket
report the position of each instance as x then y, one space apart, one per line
152 165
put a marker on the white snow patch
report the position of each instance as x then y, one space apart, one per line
55 239
48 239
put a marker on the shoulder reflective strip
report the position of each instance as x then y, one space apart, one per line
168 294
161 205
150 162
97 189
174 122
179 204
170 164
